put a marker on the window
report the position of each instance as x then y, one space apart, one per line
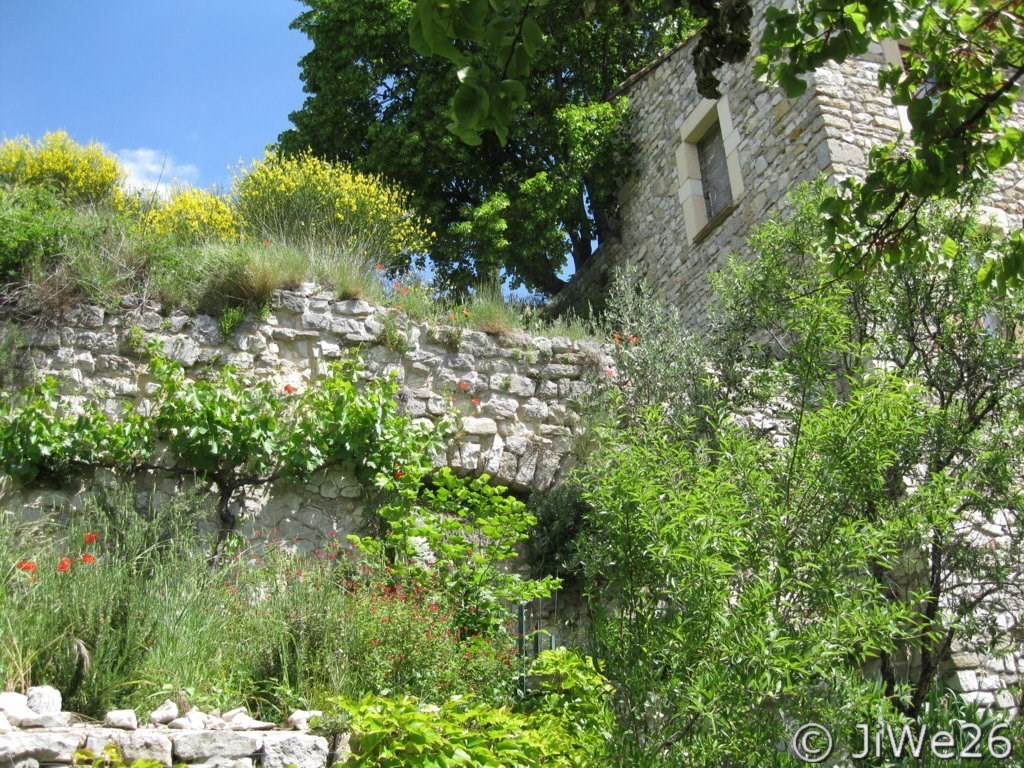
714 174
710 184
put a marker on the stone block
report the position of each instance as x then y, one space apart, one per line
121 718
479 426
206 331
301 750
963 681
197 746
145 744
50 747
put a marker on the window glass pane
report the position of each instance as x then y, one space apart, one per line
714 174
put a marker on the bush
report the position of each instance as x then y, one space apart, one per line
32 223
303 199
194 215
402 732
78 174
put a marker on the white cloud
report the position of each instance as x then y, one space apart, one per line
150 170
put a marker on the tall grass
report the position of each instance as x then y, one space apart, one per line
117 608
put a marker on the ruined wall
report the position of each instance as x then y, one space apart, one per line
517 398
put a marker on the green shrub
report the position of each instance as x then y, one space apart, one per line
194 215
78 174
32 226
403 733
304 199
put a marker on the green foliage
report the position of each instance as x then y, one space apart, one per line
32 226
232 430
578 697
391 335
551 547
119 608
809 502
401 732
459 534
379 105
230 320
77 174
959 83
83 600
304 199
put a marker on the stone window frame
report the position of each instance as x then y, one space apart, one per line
691 187
892 55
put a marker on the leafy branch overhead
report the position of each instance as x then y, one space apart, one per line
532 85
963 61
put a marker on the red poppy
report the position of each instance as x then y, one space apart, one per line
465 312
64 565
476 401
29 566
90 538
379 266
463 385
289 389
87 558
399 474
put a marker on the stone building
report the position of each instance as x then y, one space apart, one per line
708 171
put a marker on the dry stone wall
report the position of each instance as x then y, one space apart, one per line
35 731
517 398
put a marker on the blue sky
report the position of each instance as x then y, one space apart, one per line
187 87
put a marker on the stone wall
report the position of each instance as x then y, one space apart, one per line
782 142
35 731
518 398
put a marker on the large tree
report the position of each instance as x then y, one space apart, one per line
524 200
962 68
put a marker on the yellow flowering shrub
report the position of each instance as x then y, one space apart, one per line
79 174
194 215
306 199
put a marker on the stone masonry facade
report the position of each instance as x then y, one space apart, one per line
775 142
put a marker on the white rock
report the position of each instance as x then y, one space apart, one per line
49 720
299 719
5 726
197 747
144 744
301 750
15 707
231 714
164 714
48 747
213 723
193 720
243 722
44 699
224 762
121 718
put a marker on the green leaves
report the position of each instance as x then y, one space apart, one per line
232 430
491 89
